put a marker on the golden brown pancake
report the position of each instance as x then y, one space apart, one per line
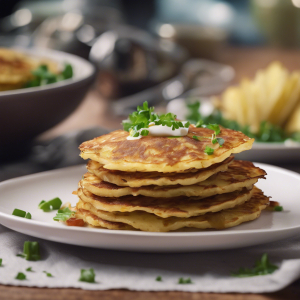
248 211
161 154
138 179
183 207
240 174
95 221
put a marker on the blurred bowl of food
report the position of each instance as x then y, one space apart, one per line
38 89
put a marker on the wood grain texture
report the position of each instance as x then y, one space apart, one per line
20 293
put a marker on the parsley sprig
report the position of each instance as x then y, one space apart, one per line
140 120
262 267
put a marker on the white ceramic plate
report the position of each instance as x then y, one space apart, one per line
26 192
277 153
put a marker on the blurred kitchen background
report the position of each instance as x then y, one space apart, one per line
151 50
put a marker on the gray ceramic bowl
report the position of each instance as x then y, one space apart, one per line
25 113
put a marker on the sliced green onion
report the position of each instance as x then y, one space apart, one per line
20 276
31 251
19 213
195 137
50 205
44 206
87 275
28 216
278 208
55 203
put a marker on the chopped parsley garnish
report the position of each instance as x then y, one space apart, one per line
184 281
214 127
278 208
199 123
195 137
209 151
87 275
158 278
42 76
50 205
220 141
21 213
63 214
48 274
0 262
20 276
140 120
262 267
31 251
29 269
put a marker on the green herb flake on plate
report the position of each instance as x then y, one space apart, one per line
262 267
87 275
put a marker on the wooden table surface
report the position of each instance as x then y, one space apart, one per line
95 111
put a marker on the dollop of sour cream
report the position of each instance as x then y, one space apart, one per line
160 130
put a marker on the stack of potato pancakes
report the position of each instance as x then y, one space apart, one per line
157 183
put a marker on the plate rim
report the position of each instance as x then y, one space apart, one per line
139 233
